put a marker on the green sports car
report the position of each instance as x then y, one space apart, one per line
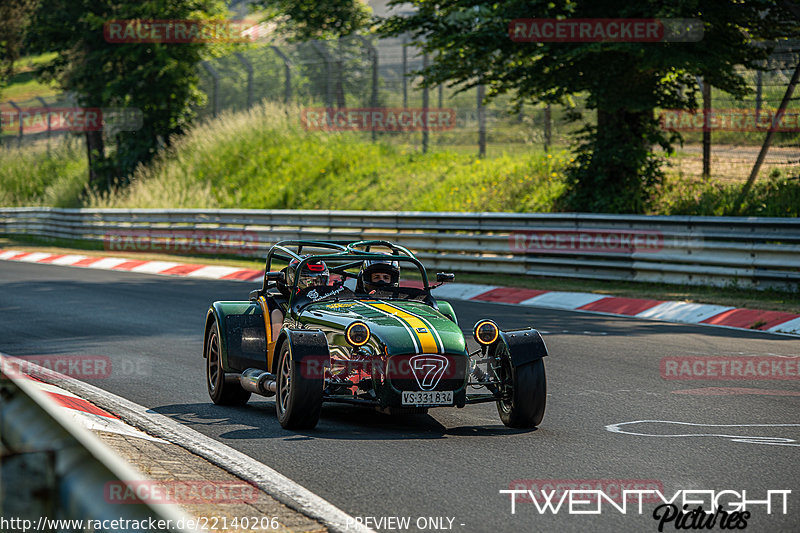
337 324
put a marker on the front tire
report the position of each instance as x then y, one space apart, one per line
298 400
221 393
528 395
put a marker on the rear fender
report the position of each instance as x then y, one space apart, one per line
524 345
242 334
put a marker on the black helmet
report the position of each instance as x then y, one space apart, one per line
371 266
313 273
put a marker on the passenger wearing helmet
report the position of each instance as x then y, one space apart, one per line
312 274
378 274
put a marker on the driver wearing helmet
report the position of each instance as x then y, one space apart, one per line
378 274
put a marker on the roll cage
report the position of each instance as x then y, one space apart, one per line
350 254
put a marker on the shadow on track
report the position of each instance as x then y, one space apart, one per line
338 422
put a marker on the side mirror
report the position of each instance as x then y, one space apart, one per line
444 277
255 295
276 276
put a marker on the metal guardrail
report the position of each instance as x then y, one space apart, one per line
741 251
53 468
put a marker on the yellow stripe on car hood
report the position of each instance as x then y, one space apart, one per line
426 340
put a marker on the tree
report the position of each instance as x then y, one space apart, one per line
158 79
312 19
615 165
14 22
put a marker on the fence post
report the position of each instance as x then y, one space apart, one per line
706 129
405 71
49 120
768 140
287 89
759 97
481 122
19 120
326 58
548 127
249 67
373 53
215 77
425 106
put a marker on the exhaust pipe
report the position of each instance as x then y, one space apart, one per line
258 381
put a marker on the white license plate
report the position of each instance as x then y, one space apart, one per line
428 397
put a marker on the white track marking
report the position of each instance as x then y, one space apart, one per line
775 441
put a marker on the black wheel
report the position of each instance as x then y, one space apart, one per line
526 392
221 393
298 398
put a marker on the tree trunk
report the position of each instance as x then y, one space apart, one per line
95 151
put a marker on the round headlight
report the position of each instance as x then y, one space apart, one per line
486 332
357 334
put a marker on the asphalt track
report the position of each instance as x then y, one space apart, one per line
452 463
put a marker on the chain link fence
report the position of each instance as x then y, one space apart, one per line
368 73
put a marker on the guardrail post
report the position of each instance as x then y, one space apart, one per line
287 88
326 58
249 67
215 77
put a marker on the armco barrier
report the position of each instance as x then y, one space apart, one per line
66 466
747 252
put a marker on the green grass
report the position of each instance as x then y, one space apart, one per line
34 176
262 159
23 85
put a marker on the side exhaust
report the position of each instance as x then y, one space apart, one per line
258 382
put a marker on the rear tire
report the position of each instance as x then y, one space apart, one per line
221 393
525 409
298 400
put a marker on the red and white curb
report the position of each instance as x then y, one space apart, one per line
666 311
165 268
85 413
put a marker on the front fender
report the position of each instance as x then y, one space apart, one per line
308 347
524 345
